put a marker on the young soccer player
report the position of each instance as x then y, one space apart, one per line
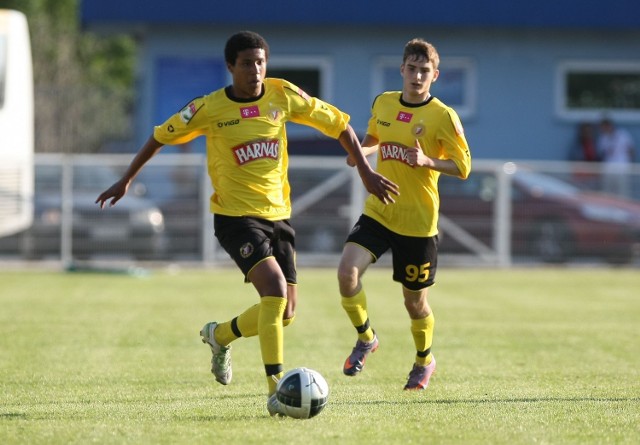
417 138
244 125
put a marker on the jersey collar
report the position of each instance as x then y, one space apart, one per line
408 105
228 91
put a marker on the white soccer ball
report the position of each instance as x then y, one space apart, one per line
303 393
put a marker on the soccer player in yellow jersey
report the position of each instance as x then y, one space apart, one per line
244 126
417 138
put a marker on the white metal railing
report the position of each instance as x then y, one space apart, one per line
483 220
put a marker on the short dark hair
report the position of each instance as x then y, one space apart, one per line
419 49
241 41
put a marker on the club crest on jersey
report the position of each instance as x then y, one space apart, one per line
186 114
246 250
417 130
403 116
274 114
253 151
247 112
394 152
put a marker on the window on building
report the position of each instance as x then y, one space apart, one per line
311 74
456 84
306 78
589 89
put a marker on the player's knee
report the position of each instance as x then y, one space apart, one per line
347 280
347 273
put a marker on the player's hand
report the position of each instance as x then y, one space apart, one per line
415 155
113 193
380 187
350 161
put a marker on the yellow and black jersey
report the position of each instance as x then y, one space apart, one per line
247 144
396 125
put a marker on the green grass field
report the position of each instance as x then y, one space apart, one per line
525 356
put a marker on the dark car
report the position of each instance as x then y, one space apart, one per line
551 219
134 227
178 191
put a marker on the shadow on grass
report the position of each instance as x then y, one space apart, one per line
13 416
485 401
210 418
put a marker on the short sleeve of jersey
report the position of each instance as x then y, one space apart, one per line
372 127
311 111
184 126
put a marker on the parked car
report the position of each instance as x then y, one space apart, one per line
134 227
177 191
551 219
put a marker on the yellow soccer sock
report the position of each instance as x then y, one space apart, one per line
240 326
422 331
247 322
271 337
244 325
356 309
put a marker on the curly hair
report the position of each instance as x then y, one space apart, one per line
241 41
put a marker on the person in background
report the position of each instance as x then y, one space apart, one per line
244 127
585 147
417 138
617 151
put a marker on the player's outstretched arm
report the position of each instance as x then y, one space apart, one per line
375 183
119 189
369 146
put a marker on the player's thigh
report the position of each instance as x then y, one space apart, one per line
283 248
354 258
268 279
370 236
246 240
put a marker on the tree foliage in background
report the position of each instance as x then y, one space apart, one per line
83 83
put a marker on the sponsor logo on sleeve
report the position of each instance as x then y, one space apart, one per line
186 114
304 95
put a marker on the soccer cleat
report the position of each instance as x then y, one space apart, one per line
419 376
221 359
355 362
274 406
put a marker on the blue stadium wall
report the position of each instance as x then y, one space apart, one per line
515 50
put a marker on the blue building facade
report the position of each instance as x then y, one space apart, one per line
521 75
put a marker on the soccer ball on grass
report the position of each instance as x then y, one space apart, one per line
303 393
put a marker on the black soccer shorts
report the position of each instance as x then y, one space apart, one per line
415 259
250 240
